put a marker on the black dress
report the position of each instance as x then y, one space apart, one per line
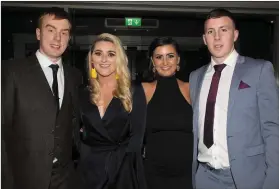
110 149
169 139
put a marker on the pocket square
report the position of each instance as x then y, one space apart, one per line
243 85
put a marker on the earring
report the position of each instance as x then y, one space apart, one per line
93 73
116 76
177 67
152 63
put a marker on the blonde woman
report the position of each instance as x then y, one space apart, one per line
113 121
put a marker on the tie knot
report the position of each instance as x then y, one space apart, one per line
219 67
54 67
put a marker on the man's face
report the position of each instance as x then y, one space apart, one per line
220 35
54 36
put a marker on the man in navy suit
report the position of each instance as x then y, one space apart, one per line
236 114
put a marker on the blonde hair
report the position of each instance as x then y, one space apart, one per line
124 79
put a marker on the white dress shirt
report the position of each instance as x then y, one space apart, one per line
45 62
217 155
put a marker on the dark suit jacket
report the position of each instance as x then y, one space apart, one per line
29 118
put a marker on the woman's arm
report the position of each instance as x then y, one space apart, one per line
138 118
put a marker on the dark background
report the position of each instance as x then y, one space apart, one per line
255 39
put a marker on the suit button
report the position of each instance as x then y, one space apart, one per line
50 153
57 126
52 131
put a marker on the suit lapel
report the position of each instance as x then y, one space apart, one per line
40 84
67 89
239 70
197 96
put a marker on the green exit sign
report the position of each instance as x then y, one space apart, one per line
133 22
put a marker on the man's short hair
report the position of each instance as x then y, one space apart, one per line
220 12
58 13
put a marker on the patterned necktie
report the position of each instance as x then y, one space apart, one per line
210 106
55 68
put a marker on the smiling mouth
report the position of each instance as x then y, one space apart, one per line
55 46
218 46
165 68
104 65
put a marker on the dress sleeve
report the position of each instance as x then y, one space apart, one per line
138 119
132 171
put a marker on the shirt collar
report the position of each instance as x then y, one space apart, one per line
230 60
45 61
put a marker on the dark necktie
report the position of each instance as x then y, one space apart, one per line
54 68
210 106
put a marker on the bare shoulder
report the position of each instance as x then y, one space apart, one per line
148 85
185 89
149 88
183 85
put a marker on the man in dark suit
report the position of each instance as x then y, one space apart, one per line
236 114
39 96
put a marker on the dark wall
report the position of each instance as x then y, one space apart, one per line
255 39
255 33
179 27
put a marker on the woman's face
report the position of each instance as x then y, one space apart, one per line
165 60
104 58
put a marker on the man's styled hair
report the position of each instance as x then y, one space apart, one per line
58 13
220 12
